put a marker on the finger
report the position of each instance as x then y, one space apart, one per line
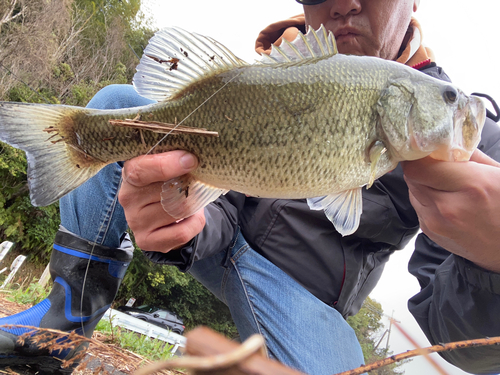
146 169
419 193
438 174
448 176
419 209
428 214
440 212
481 158
131 196
140 218
165 238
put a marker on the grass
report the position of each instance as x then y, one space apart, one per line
150 348
32 295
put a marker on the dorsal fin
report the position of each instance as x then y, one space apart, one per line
174 58
315 44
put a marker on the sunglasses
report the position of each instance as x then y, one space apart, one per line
310 2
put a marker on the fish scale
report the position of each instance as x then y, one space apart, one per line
317 127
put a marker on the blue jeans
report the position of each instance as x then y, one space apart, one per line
300 330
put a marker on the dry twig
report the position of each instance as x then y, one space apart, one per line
161 127
215 362
429 359
212 354
208 352
215 355
52 339
431 349
9 15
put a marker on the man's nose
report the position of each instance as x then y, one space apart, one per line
344 8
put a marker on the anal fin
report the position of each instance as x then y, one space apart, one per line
342 209
183 196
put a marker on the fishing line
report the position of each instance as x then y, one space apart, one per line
107 218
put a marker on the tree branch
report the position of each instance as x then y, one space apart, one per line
8 17
428 350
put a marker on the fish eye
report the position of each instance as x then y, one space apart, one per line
450 94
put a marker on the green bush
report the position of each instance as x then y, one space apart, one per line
31 228
167 287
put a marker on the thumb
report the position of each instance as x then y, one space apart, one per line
481 158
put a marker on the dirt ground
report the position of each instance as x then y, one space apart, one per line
101 358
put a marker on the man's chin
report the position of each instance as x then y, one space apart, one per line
349 45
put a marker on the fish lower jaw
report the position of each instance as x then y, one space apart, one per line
461 155
453 154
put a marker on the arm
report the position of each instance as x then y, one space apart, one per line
458 208
164 239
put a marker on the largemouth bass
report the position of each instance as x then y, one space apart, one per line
306 122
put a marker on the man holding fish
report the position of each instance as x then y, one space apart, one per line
279 264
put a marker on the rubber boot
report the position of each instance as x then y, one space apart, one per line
77 267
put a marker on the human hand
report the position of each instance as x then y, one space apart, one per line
143 177
458 205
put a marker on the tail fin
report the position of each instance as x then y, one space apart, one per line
53 167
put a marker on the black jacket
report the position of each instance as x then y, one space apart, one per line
458 300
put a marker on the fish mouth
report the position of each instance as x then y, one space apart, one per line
467 125
468 122
478 110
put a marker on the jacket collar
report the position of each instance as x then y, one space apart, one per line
414 53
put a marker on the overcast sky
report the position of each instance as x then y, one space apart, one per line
465 37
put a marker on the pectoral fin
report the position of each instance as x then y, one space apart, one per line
183 196
376 151
342 209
